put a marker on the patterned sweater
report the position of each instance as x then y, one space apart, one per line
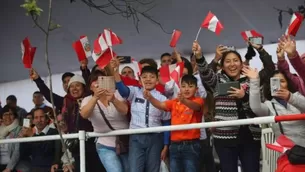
229 108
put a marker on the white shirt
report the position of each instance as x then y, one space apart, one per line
45 130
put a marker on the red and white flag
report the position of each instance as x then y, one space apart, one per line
294 24
82 48
250 33
175 37
171 72
101 52
111 38
212 23
137 67
282 144
28 53
170 76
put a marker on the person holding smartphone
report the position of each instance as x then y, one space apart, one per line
283 100
236 142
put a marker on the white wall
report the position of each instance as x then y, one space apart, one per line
24 89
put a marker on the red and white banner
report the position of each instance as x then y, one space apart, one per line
212 23
175 37
102 54
282 144
28 53
250 33
294 24
82 48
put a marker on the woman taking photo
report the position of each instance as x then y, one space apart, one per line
106 110
284 101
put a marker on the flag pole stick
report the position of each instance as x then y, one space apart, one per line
110 47
198 34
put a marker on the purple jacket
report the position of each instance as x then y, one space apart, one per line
297 81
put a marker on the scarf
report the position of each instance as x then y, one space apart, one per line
5 130
70 112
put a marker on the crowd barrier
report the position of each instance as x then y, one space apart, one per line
82 135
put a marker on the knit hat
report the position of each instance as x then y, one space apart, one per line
76 78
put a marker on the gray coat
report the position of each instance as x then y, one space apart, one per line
295 130
14 153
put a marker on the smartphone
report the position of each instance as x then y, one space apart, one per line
256 40
223 88
106 82
26 123
124 59
230 48
275 85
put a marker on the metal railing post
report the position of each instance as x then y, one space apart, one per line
82 151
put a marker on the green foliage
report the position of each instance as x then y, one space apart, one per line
31 7
54 26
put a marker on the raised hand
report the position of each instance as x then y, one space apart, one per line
33 74
250 73
220 49
84 63
197 50
238 93
280 53
256 46
283 94
288 45
114 64
99 92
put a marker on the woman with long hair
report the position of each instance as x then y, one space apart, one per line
236 142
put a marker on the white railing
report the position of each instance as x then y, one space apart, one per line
82 135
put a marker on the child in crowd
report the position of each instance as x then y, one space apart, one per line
186 109
145 150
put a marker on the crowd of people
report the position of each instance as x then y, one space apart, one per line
149 102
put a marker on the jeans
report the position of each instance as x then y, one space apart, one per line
145 152
248 154
111 161
206 158
185 156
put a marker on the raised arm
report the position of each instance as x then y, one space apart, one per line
207 75
45 91
289 46
260 109
268 64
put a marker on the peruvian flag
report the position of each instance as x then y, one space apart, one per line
175 37
28 53
282 144
137 67
250 33
102 54
82 48
171 72
111 38
294 24
212 23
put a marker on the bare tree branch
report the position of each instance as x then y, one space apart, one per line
127 9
